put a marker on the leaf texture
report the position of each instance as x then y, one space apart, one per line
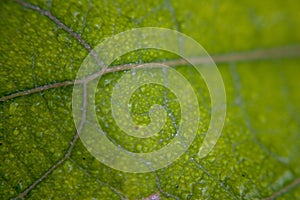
255 45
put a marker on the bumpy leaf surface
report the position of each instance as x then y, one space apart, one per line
255 46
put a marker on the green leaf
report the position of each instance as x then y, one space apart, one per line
255 45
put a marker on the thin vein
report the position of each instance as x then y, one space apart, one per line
67 154
60 24
248 122
159 187
100 182
284 190
48 14
221 184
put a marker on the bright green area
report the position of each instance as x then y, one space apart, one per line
257 153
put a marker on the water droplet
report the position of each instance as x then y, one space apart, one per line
16 132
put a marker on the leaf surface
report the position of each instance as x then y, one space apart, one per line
256 47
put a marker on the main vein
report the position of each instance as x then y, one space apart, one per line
265 54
